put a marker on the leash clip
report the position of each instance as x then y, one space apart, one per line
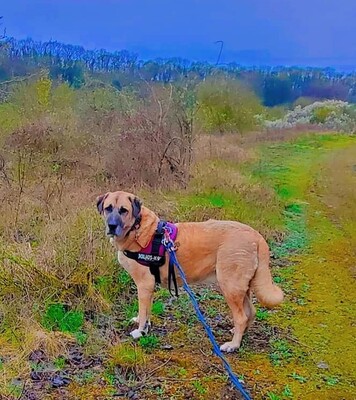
167 240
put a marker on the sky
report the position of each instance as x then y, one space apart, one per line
304 32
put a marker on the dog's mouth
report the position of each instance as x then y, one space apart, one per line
113 230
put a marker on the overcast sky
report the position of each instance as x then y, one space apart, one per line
300 31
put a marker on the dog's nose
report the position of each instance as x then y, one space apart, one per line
112 228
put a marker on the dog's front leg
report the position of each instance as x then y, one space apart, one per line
145 283
145 298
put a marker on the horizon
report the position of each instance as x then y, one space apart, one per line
254 34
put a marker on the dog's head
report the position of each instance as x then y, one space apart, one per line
121 212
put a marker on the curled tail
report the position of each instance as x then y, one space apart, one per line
267 293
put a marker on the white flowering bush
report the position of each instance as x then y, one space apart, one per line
331 114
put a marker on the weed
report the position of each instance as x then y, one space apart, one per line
331 380
173 372
183 310
124 280
158 308
109 378
257 372
281 352
88 376
159 390
36 366
163 294
287 392
211 311
301 302
261 315
182 372
298 378
131 310
149 342
273 396
81 337
305 288
15 390
198 386
57 318
208 294
59 362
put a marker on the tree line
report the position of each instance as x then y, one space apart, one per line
71 63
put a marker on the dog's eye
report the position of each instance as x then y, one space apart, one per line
108 208
123 210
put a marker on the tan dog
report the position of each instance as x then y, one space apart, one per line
230 253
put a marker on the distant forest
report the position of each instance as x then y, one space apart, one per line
75 65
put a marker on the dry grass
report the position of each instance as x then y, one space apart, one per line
281 135
221 147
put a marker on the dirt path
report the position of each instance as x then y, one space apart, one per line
326 323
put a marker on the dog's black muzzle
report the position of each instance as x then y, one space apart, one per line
114 224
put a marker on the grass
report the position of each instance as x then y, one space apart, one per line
126 355
289 191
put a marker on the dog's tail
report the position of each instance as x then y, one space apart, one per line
267 293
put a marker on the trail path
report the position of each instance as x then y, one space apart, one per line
318 179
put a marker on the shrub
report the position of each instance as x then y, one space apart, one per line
227 106
319 115
330 114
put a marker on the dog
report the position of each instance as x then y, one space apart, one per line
229 253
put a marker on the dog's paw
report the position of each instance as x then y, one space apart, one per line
229 347
134 320
137 333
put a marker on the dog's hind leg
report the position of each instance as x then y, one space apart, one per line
235 287
235 302
249 309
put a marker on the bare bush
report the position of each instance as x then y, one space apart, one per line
150 146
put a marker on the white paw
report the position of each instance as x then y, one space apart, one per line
134 320
228 347
136 333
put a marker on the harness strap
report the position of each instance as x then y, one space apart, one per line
172 277
134 226
156 244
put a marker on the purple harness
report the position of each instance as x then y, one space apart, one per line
154 255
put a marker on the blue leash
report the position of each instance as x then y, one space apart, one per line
170 247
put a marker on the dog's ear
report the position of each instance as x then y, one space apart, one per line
100 202
148 226
136 206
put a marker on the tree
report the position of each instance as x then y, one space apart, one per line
277 90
